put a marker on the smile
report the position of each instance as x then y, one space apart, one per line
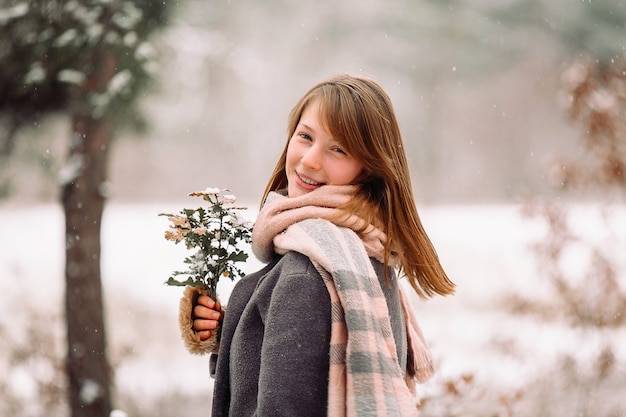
308 181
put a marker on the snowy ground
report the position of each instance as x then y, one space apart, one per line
485 250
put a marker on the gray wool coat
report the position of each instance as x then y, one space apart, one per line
274 351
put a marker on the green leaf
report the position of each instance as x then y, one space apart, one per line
175 283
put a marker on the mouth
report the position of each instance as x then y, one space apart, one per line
308 181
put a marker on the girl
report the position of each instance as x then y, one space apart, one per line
324 328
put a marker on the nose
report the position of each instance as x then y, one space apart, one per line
312 158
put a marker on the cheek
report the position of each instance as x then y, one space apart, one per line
347 173
290 155
356 172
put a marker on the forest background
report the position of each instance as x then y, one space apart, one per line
481 91
476 86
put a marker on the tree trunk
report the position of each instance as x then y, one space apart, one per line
83 204
89 375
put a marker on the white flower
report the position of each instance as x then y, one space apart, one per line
214 232
227 199
240 221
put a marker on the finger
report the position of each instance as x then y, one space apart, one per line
204 335
218 308
206 313
206 301
199 324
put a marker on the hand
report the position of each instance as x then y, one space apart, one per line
207 314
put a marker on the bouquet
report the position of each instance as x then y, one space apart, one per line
215 234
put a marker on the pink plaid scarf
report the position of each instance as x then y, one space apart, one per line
365 378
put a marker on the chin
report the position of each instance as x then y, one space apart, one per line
296 192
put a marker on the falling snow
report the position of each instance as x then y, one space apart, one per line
485 250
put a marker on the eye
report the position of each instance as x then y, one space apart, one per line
304 136
339 150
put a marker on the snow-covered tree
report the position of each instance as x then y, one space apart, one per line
90 60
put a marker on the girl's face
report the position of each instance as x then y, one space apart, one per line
314 158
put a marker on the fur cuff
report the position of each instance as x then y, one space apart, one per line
185 320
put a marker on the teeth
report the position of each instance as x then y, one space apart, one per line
310 182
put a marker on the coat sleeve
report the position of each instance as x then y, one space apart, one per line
190 338
293 379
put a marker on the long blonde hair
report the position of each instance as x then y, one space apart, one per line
359 115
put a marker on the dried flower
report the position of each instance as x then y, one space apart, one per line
199 230
215 234
174 234
179 221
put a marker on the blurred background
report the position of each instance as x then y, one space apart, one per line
513 114
475 85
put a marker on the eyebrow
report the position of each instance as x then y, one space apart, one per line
306 126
